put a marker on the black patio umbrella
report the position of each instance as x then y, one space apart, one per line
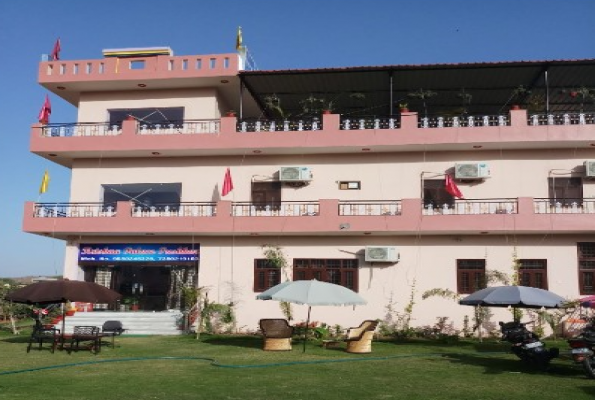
62 291
514 296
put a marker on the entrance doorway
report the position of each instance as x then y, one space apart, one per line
142 287
145 287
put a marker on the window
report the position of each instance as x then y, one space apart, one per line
145 195
565 191
266 275
338 271
266 195
151 117
471 275
350 185
435 193
586 268
533 273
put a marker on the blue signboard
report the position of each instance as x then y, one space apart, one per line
143 252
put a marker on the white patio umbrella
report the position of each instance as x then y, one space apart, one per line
312 293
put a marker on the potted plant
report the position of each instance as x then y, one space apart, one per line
403 107
231 113
69 309
422 95
519 96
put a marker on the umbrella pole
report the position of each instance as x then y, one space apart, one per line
306 332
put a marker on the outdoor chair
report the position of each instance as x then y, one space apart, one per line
86 334
276 334
112 329
44 334
359 339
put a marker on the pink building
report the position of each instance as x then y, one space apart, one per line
356 196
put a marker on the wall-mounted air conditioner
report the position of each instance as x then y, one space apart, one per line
589 169
472 170
295 174
381 254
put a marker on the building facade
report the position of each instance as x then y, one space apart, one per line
343 170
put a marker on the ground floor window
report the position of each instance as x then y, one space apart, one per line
266 275
533 273
586 268
471 275
342 272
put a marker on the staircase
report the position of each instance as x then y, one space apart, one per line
135 323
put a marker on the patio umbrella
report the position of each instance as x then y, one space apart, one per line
515 296
312 293
62 291
588 301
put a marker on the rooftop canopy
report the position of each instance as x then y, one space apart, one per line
445 89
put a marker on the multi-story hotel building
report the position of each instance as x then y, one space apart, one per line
356 196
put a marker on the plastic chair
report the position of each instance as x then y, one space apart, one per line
276 333
112 329
359 339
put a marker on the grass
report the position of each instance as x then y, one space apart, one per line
235 367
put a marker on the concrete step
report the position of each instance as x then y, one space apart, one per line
135 323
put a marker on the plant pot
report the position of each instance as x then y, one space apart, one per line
327 112
404 110
70 313
134 307
515 107
230 114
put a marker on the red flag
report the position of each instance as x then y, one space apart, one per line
46 110
227 183
451 187
56 52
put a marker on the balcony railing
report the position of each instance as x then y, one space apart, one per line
369 208
463 121
176 210
81 129
287 125
561 119
180 127
74 210
370 122
282 209
473 207
567 206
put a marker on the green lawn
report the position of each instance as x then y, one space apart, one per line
223 367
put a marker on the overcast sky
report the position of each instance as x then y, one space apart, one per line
280 34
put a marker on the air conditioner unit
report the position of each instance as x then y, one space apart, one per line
472 170
381 254
589 169
295 174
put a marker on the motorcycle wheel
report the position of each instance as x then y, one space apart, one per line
589 367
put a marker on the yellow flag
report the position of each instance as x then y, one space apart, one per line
44 182
239 39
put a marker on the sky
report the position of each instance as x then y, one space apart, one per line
279 34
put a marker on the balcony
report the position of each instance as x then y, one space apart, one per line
63 143
323 217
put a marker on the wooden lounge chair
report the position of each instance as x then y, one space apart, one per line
86 334
276 334
44 334
359 339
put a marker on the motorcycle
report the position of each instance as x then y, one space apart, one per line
582 350
526 344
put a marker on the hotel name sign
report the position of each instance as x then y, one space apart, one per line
118 252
